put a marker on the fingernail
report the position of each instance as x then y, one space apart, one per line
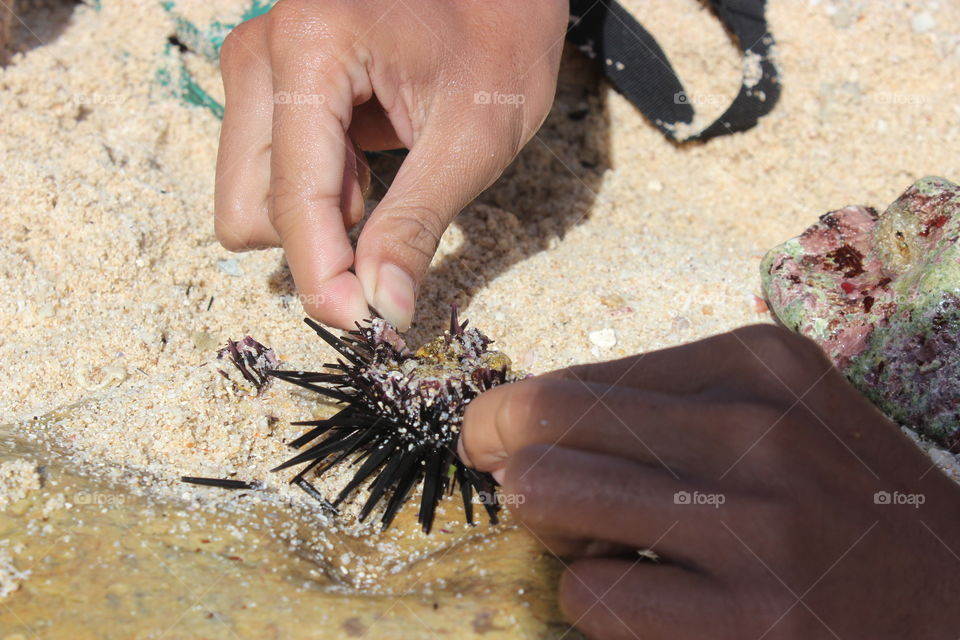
395 296
499 474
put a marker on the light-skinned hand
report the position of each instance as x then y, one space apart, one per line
463 85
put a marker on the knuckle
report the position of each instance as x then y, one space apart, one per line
774 348
314 305
512 134
283 215
596 372
290 17
794 359
512 411
497 137
289 199
810 350
230 236
525 476
523 400
753 419
467 438
297 20
239 44
418 230
765 335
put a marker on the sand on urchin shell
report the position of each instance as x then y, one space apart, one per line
117 293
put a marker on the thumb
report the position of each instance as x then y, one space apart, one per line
455 158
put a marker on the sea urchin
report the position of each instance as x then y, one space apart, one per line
402 416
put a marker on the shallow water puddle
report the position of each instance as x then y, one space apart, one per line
104 562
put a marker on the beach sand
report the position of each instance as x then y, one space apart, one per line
602 240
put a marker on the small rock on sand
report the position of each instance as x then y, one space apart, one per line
604 338
923 22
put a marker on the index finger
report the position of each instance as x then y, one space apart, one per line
694 436
311 114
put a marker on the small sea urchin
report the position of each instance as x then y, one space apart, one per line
402 416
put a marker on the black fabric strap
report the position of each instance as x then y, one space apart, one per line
636 65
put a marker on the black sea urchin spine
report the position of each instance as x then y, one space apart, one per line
397 429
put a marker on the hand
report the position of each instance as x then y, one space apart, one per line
463 85
781 502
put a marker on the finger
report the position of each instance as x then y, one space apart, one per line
310 150
354 175
569 494
688 435
362 168
665 370
243 160
734 360
459 153
619 599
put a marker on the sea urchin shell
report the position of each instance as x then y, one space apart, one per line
402 416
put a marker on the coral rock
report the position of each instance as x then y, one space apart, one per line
881 295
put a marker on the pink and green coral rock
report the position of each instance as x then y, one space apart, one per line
881 295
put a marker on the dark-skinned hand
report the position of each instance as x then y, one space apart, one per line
780 502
